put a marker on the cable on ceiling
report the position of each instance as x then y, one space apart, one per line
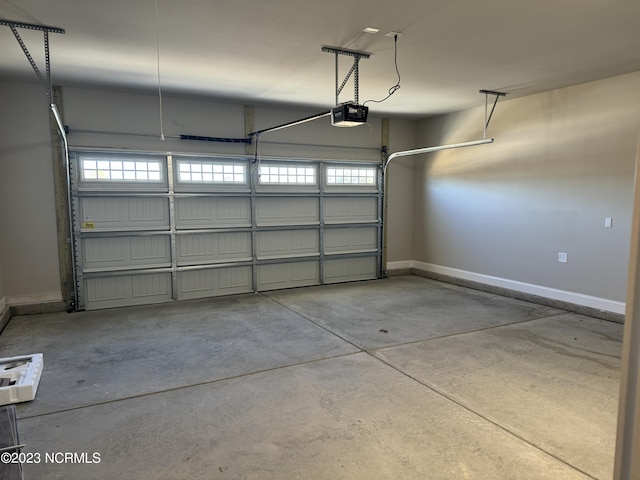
396 87
362 34
158 69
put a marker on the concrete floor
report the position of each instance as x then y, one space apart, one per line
402 378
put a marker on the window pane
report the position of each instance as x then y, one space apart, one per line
106 169
287 175
202 171
351 176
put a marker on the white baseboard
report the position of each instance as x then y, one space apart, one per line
401 265
34 298
528 288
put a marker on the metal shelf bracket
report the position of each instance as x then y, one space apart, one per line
45 29
357 55
486 105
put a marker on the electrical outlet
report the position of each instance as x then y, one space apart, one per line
563 257
608 222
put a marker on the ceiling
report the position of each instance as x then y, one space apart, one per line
269 51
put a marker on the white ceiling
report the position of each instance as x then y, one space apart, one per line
270 50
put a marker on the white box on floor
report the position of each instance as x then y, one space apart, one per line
19 378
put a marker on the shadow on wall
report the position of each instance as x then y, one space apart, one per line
21 148
562 162
571 136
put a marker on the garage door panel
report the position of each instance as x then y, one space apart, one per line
350 240
108 290
151 285
213 212
349 269
124 213
351 209
122 252
214 282
287 211
123 290
287 275
203 226
198 248
150 249
287 243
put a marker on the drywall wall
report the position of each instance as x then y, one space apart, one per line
3 300
5 313
129 112
400 195
563 161
136 115
28 251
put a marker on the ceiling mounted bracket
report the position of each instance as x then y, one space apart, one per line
45 29
357 55
486 105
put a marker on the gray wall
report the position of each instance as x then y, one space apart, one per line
135 112
400 194
28 243
28 246
2 297
562 162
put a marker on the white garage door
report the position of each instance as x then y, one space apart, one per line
157 228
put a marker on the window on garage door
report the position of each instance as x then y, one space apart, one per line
154 228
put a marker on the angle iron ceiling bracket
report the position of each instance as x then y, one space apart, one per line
357 55
486 104
45 29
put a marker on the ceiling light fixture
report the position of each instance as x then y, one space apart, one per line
371 30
